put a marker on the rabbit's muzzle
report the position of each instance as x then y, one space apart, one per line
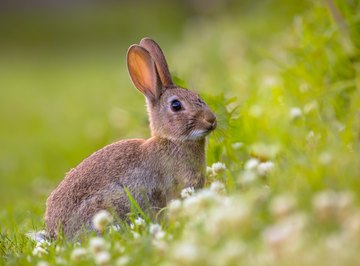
210 121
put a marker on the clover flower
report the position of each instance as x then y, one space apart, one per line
209 171
218 168
119 247
97 244
102 258
324 204
295 113
60 260
78 254
186 253
344 202
101 220
230 254
200 201
247 178
136 235
237 145
39 237
187 192
39 251
251 164
265 168
231 217
174 206
218 187
286 235
42 263
123 260
282 205
156 231
351 225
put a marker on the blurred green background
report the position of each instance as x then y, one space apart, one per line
65 90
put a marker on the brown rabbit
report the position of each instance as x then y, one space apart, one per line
153 170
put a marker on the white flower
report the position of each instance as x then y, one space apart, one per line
78 254
282 205
265 168
324 204
325 158
115 228
39 251
200 201
187 253
60 260
39 237
187 192
156 231
42 263
311 106
97 244
251 164
159 244
218 187
136 235
336 242
231 253
247 178
218 168
344 202
119 247
174 206
59 249
237 145
271 81
230 217
101 220
351 225
123 260
102 258
140 222
285 236
209 170
295 113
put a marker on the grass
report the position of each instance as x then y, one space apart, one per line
285 87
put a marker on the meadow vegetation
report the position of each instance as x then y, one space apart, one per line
283 175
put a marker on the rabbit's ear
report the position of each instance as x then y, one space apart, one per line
160 61
143 72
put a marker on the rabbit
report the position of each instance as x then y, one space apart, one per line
154 170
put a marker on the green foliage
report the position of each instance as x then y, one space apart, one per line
286 90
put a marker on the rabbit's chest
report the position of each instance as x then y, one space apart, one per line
179 175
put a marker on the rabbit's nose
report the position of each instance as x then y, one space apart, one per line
211 119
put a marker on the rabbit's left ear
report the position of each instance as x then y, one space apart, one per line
159 59
143 72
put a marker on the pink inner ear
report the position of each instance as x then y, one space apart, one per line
142 71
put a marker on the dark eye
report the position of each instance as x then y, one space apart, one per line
176 105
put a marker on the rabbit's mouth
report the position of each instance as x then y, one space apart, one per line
199 133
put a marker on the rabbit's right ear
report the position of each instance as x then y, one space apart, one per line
143 72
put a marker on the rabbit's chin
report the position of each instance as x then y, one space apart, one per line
197 134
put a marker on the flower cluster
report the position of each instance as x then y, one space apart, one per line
253 169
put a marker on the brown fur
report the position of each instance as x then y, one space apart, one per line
153 170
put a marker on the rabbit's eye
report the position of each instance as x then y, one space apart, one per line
176 105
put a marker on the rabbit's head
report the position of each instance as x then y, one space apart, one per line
175 113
